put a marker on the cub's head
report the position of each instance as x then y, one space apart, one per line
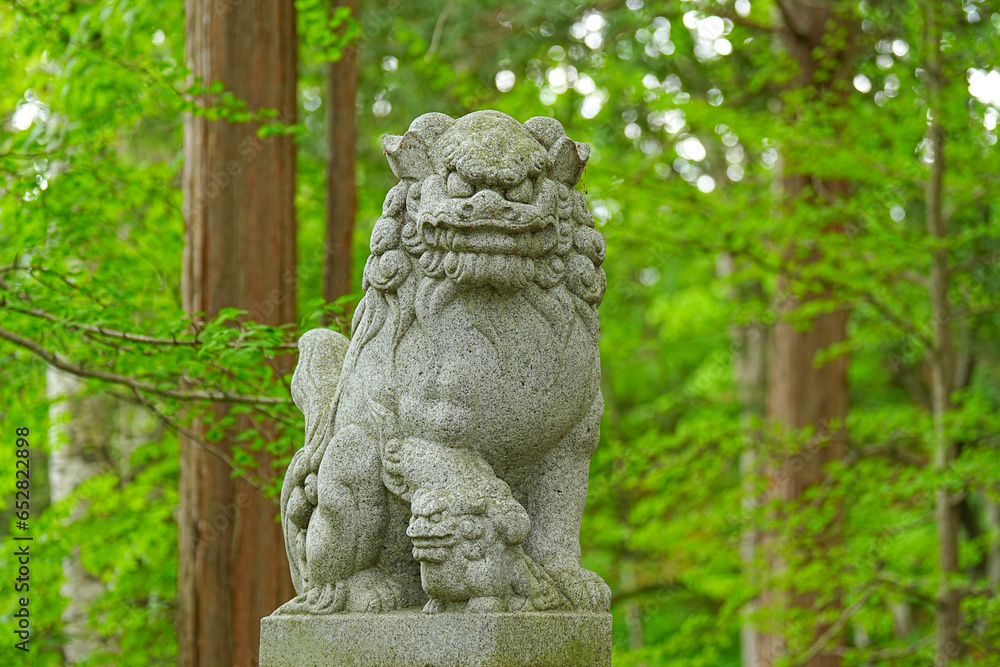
486 200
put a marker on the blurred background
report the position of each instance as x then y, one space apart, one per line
800 337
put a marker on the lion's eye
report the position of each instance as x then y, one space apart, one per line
521 193
458 186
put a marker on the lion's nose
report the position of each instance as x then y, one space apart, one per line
489 204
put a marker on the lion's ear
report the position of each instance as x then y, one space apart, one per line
546 130
430 126
568 160
407 155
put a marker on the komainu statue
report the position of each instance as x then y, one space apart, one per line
448 443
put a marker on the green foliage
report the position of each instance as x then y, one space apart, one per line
324 32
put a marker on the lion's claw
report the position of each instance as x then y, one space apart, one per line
586 590
370 591
327 599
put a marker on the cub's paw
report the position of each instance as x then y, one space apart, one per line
585 589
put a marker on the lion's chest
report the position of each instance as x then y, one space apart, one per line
494 373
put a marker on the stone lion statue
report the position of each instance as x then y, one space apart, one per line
448 442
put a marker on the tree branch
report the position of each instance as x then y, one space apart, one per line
115 333
895 319
194 395
171 424
438 29
618 598
834 629
911 590
901 651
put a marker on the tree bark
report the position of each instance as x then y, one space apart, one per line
239 252
801 395
90 435
341 190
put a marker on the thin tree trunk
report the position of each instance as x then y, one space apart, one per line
993 556
633 610
341 191
79 433
90 435
749 346
949 597
751 381
239 252
902 618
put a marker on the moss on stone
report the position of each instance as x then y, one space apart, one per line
491 148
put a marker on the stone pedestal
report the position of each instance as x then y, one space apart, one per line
414 639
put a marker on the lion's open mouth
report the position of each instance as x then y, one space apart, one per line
508 219
488 237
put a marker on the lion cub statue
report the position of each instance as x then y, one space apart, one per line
448 442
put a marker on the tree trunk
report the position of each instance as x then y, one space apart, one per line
341 192
90 435
902 618
801 395
79 433
239 252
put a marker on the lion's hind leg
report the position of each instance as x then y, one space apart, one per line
555 494
346 533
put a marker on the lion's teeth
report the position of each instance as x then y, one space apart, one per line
536 243
450 263
467 263
528 267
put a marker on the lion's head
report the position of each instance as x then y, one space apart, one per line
484 200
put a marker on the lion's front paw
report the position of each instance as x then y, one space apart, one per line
435 606
372 591
319 600
585 589
375 591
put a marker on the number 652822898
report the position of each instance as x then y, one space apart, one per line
22 467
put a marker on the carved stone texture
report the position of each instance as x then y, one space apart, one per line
448 443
